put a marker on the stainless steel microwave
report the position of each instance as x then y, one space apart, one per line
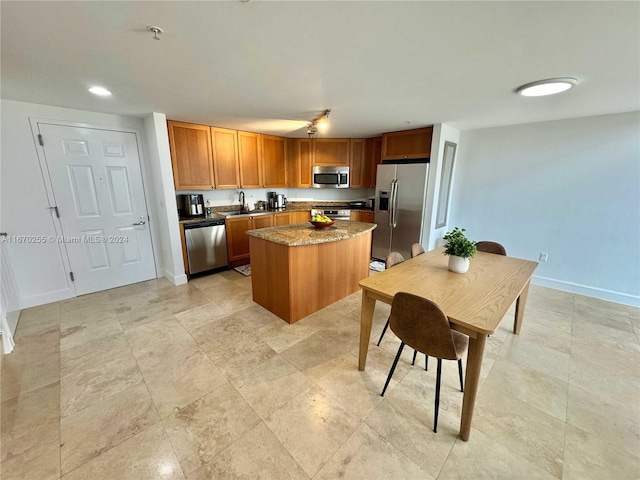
330 177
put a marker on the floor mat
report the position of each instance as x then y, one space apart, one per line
244 269
376 266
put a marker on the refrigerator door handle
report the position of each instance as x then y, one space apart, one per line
395 204
391 199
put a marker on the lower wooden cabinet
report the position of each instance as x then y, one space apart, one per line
361 216
237 238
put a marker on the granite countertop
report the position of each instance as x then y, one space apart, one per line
306 234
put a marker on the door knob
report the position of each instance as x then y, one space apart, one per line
141 222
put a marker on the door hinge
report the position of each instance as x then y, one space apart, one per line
72 277
40 140
55 210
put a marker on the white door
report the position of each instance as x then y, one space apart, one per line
99 194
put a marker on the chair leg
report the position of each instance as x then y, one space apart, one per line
413 362
435 415
426 361
460 374
384 330
393 367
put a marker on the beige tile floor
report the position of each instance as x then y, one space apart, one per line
152 381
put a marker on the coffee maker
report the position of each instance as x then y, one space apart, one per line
271 200
281 202
190 205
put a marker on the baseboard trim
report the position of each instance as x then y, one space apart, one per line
46 298
175 279
601 293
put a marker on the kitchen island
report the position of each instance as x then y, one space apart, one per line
297 269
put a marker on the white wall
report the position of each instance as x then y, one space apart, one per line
39 268
162 203
569 188
442 133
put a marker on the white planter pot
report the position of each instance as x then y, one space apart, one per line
458 264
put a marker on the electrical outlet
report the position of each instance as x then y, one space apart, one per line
543 257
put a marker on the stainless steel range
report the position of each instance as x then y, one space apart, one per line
332 213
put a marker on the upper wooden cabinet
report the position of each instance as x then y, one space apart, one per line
373 154
250 153
359 174
274 161
331 151
299 162
191 156
407 144
224 145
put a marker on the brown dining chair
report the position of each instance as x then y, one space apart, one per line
416 249
495 247
491 247
394 258
421 324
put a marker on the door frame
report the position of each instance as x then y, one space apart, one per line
48 185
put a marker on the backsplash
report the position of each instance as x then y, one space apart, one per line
313 195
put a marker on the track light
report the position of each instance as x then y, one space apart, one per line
321 122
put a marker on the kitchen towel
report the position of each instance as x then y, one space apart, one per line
376 266
244 270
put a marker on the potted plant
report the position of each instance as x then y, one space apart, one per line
460 249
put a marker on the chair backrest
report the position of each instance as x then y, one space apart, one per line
393 258
416 249
491 247
422 325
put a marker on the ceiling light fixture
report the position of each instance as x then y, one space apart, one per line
549 86
156 31
101 91
321 122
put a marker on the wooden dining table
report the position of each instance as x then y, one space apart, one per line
475 302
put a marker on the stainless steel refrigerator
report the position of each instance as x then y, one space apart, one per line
400 198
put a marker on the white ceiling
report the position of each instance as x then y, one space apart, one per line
271 67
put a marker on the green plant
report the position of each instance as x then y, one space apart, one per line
459 245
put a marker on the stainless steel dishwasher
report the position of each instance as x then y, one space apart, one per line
206 245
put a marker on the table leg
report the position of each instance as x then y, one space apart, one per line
520 304
471 379
366 319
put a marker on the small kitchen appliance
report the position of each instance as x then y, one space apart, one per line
190 205
271 200
330 177
281 202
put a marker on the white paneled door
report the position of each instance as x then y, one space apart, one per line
99 195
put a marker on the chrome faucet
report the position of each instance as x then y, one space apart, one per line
241 200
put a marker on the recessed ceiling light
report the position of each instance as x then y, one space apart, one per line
549 86
103 92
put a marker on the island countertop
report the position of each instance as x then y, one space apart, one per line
306 234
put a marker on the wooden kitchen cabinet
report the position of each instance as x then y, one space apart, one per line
301 216
359 173
283 218
361 216
274 161
373 155
331 151
299 162
250 159
224 146
191 157
185 258
237 238
407 144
